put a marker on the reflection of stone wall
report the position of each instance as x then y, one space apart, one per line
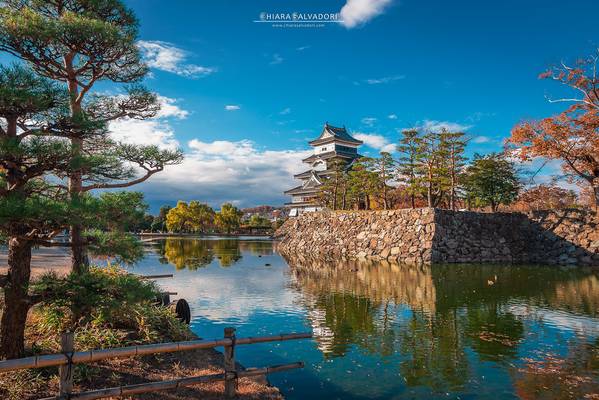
441 236
379 281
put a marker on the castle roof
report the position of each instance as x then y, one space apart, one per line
332 133
331 154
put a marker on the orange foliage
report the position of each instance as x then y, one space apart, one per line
582 76
572 137
545 197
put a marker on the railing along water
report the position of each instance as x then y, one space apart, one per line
69 357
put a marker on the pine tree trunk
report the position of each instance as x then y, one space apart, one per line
78 257
16 304
429 193
596 192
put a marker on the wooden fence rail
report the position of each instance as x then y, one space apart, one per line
69 357
173 384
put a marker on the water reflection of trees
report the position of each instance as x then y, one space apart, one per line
194 253
433 317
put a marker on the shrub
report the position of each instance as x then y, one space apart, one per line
95 295
105 307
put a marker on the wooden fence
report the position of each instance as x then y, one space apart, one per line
69 357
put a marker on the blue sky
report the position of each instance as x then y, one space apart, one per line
242 98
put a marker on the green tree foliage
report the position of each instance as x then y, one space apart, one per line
95 294
32 210
159 223
80 43
34 206
258 221
228 218
430 166
409 160
454 145
333 192
384 168
433 166
491 180
194 217
363 182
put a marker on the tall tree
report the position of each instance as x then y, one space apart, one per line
454 145
410 158
228 218
491 180
571 137
363 182
194 217
433 166
384 168
79 43
31 210
331 190
159 223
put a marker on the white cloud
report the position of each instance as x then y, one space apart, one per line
166 57
285 111
232 107
436 126
357 12
481 139
385 79
276 59
168 109
368 121
392 116
302 48
154 131
378 142
222 170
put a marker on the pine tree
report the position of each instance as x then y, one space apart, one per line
363 182
384 168
453 148
34 205
332 191
410 159
31 210
433 166
80 43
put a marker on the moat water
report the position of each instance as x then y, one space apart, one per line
384 331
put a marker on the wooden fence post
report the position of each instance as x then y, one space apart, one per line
67 371
230 368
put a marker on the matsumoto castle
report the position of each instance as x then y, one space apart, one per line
332 144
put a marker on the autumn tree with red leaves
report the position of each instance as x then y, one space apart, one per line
545 197
572 136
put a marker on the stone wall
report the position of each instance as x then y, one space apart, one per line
403 235
426 235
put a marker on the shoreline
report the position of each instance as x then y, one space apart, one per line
133 370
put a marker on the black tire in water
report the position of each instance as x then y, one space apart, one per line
181 308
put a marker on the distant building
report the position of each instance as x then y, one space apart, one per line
332 144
